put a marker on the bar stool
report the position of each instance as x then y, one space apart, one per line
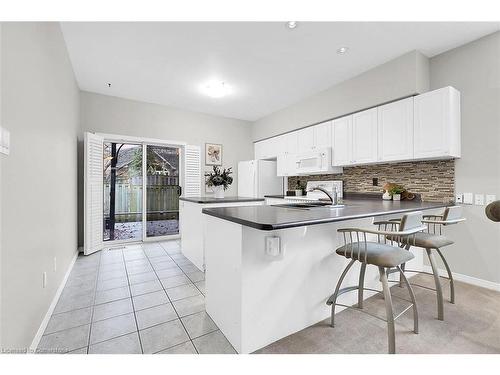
433 239
385 256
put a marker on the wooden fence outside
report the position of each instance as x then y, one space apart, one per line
162 198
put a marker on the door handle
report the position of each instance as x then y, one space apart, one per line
179 190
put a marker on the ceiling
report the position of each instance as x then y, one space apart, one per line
267 65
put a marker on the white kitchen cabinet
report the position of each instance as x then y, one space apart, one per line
305 139
291 142
364 137
342 141
322 135
286 165
266 149
437 124
395 131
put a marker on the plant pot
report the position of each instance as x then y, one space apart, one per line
386 196
218 191
396 197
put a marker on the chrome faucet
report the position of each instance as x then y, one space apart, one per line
333 198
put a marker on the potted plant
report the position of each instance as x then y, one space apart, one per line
396 192
299 189
219 180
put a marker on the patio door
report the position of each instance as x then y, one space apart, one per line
122 178
141 189
162 187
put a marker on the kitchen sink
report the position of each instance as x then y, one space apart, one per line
308 205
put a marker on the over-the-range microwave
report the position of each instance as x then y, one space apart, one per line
317 161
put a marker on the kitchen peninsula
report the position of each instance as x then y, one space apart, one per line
270 269
192 236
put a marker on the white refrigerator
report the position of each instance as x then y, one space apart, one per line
257 178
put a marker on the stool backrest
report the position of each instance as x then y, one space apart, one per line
411 221
452 214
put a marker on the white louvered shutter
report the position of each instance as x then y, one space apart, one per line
93 195
192 167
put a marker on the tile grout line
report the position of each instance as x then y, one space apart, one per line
203 294
132 301
171 302
93 302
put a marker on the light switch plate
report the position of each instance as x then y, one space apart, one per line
490 198
468 198
479 199
4 141
273 247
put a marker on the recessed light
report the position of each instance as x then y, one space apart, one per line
292 24
342 50
215 89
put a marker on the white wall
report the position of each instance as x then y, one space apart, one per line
40 107
474 69
400 77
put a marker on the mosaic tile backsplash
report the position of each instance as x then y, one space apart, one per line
433 180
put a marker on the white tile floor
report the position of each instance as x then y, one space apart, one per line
144 298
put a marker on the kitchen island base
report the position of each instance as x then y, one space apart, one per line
256 299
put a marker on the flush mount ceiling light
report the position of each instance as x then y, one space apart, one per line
342 50
215 89
292 24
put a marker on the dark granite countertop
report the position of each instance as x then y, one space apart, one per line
210 200
276 217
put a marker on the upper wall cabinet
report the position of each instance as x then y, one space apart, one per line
342 141
364 137
314 137
322 135
268 148
395 131
437 124
305 139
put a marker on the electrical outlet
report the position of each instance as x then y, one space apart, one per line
468 198
459 198
55 264
44 280
490 198
479 199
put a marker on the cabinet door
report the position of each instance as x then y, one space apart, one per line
323 135
286 165
259 150
291 143
266 149
306 139
437 124
280 145
395 131
364 136
342 141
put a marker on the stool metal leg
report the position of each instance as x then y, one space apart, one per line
403 265
361 285
333 298
450 276
413 300
391 333
439 290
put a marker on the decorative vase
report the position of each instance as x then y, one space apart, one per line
219 191
396 197
386 196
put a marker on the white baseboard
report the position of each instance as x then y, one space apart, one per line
45 321
467 279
